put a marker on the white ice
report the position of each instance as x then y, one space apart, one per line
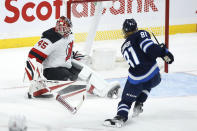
172 105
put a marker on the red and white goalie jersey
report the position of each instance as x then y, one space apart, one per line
53 50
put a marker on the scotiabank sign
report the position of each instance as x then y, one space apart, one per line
125 6
24 18
118 7
17 11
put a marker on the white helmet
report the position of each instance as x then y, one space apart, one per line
17 123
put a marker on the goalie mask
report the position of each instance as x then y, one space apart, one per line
63 26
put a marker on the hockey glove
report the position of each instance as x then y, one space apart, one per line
168 58
163 46
77 56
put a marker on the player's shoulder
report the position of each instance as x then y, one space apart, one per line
51 35
142 35
140 32
126 44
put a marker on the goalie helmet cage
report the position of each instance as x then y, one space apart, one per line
155 11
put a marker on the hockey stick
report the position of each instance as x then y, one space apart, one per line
155 38
65 103
165 58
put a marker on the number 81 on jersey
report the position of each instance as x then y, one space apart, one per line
131 57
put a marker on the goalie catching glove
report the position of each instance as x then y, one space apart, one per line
86 59
77 56
168 57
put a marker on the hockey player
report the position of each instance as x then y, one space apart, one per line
140 52
54 53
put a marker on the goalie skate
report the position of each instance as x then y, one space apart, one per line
137 109
117 121
36 88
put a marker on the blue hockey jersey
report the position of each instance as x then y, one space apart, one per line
141 52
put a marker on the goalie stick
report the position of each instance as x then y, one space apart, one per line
61 97
72 109
67 92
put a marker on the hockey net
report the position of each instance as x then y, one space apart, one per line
100 21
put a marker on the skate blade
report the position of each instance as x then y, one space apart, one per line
108 124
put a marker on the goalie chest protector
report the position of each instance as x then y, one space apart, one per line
53 50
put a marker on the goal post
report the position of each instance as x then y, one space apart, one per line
97 20
167 16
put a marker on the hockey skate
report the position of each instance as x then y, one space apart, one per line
137 109
113 92
117 121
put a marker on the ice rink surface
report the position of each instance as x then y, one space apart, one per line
172 105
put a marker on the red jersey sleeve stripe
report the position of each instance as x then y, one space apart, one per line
39 52
34 53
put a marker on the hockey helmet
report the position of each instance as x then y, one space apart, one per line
63 26
17 122
129 25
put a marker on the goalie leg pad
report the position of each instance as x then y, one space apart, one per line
102 88
97 84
